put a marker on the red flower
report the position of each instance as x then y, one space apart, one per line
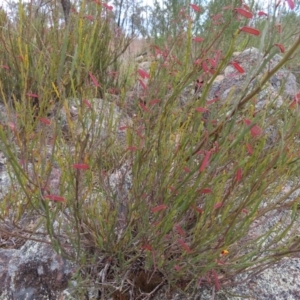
245 13
281 47
95 81
195 7
261 14
143 74
250 30
158 208
198 39
205 161
291 3
45 121
55 198
238 67
108 7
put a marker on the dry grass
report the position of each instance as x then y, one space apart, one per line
136 47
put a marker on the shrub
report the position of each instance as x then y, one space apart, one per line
52 60
169 197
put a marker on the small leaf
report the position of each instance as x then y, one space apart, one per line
155 101
212 100
55 198
238 67
262 14
147 247
199 282
195 7
5 67
89 17
250 30
291 4
211 71
216 279
201 109
143 107
197 62
45 121
204 67
179 230
12 126
108 7
247 121
143 84
245 211
249 149
177 268
81 166
22 162
32 95
143 74
199 83
256 130
205 161
184 246
123 127
293 104
218 205
212 62
158 208
173 190
186 170
73 10
197 209
206 191
95 81
239 175
198 39
113 91
216 17
281 47
87 103
245 13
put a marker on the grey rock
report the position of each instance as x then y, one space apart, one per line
283 82
33 272
280 281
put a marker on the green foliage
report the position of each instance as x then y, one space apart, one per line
168 19
169 198
56 61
